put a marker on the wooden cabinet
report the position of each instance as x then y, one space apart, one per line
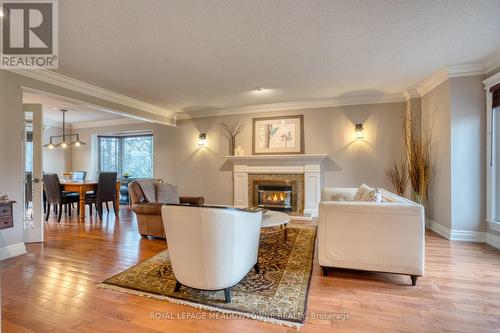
6 216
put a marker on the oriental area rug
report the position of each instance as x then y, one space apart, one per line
277 294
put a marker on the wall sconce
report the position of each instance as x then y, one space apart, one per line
202 140
359 131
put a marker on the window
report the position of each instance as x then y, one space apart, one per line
492 86
28 147
132 155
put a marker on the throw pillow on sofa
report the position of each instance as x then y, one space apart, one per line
167 193
373 195
361 192
366 193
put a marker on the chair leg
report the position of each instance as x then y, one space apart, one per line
227 295
78 208
256 267
60 210
177 286
47 213
100 210
414 280
114 206
325 270
69 209
107 206
55 209
90 209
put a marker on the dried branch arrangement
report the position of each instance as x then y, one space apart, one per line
398 173
231 131
419 154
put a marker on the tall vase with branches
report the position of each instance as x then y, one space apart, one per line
398 174
419 154
230 131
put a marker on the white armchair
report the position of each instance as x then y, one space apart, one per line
385 236
211 248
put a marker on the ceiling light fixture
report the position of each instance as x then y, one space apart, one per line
63 143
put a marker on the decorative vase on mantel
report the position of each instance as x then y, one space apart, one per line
232 145
230 131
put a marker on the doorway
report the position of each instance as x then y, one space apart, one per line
32 167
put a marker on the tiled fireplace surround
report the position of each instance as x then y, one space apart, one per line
303 171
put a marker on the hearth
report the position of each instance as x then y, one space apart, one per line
275 197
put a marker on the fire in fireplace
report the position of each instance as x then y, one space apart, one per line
276 197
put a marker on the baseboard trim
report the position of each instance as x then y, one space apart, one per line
439 229
12 251
457 235
493 240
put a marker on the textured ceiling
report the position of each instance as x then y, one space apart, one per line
189 55
76 112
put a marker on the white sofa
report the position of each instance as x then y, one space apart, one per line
387 236
211 248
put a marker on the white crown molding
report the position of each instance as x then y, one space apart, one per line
297 105
88 89
449 72
105 123
411 93
492 80
492 62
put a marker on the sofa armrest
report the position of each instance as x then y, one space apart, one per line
366 207
147 208
198 201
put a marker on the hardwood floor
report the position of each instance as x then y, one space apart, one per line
52 289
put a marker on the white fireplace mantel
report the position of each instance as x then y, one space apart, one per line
307 164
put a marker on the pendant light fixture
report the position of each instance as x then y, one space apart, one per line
63 137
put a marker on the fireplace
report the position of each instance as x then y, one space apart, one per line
276 197
282 192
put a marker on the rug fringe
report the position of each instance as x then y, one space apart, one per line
200 306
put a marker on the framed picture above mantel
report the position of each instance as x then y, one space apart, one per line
278 135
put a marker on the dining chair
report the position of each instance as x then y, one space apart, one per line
106 191
55 195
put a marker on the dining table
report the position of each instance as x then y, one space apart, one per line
82 187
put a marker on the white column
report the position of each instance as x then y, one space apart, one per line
240 175
312 189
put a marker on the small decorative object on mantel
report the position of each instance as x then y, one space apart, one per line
278 135
4 198
231 131
239 151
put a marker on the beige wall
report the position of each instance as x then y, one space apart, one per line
468 135
55 160
205 171
11 154
455 113
437 116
